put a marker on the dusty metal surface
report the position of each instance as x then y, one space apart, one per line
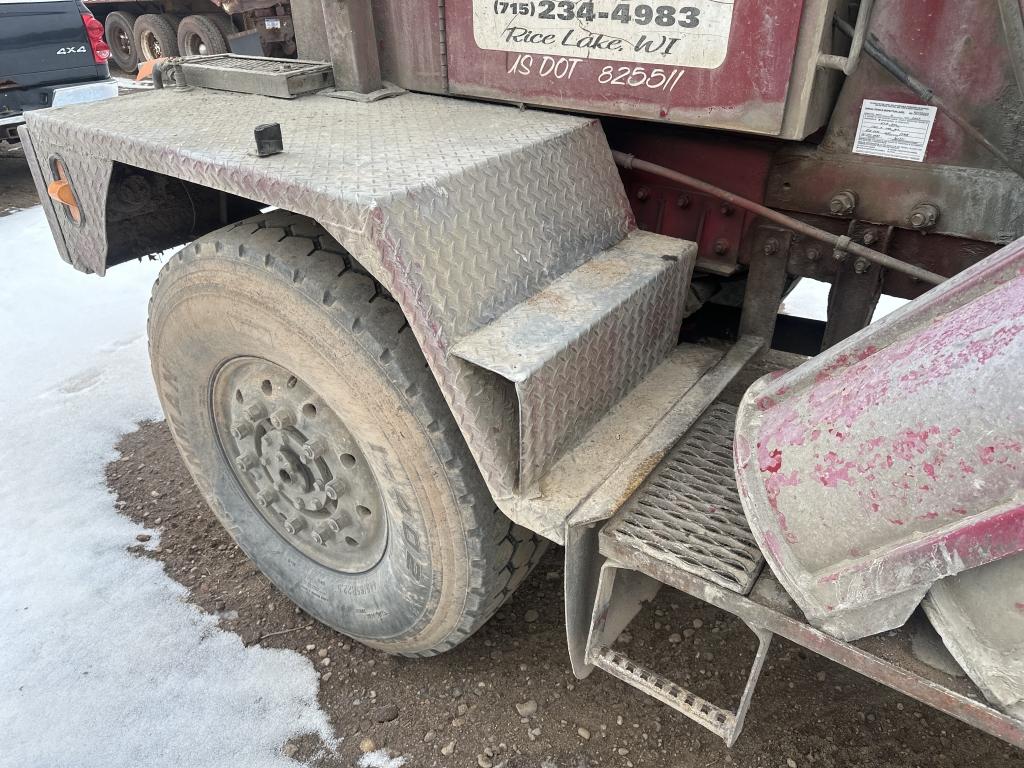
871 471
980 616
281 78
575 348
461 210
886 658
709 63
688 513
620 594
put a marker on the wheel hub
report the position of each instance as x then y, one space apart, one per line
299 465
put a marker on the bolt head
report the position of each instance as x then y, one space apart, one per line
643 193
241 430
721 246
313 449
870 237
843 203
813 254
683 201
295 524
860 266
323 535
266 498
246 461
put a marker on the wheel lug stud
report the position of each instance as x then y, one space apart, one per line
335 489
334 524
295 524
241 430
246 461
299 503
267 497
282 419
313 449
255 413
323 535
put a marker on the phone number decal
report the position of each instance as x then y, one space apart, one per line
694 34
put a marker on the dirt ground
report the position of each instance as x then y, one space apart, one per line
460 709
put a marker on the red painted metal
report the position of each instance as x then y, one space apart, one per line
894 459
746 92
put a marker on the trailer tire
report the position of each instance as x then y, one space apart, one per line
119 30
155 36
200 35
275 298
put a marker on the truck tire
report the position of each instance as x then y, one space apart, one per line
119 29
199 35
303 407
155 36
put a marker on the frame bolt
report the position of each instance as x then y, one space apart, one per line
843 203
299 502
721 246
727 209
241 430
323 534
246 461
255 413
335 489
870 237
642 193
295 524
313 449
266 498
282 419
923 216
683 201
813 254
771 247
861 265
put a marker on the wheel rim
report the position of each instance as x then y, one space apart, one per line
123 42
194 45
150 46
299 465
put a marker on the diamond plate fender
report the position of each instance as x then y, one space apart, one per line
894 459
461 210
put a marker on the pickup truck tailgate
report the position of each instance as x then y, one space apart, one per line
44 42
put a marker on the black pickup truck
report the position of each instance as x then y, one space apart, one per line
52 53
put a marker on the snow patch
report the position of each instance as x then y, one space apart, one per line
380 759
103 663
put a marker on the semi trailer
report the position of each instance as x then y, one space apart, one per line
144 31
469 278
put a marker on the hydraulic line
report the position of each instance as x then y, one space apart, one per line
841 243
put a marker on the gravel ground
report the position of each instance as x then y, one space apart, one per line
507 697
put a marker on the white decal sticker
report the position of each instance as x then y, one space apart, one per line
689 33
273 23
892 129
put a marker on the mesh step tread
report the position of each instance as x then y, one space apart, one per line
688 513
715 719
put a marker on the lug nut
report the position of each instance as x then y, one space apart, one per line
246 461
255 413
313 449
323 535
282 419
299 502
267 497
335 489
241 430
295 524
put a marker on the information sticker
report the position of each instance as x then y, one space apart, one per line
690 33
892 129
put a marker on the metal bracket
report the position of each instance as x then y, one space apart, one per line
847 64
614 608
386 91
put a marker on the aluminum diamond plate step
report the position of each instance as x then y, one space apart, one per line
688 513
576 347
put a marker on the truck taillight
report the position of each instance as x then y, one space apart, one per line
94 30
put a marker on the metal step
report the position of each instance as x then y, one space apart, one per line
687 515
720 721
280 78
577 346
